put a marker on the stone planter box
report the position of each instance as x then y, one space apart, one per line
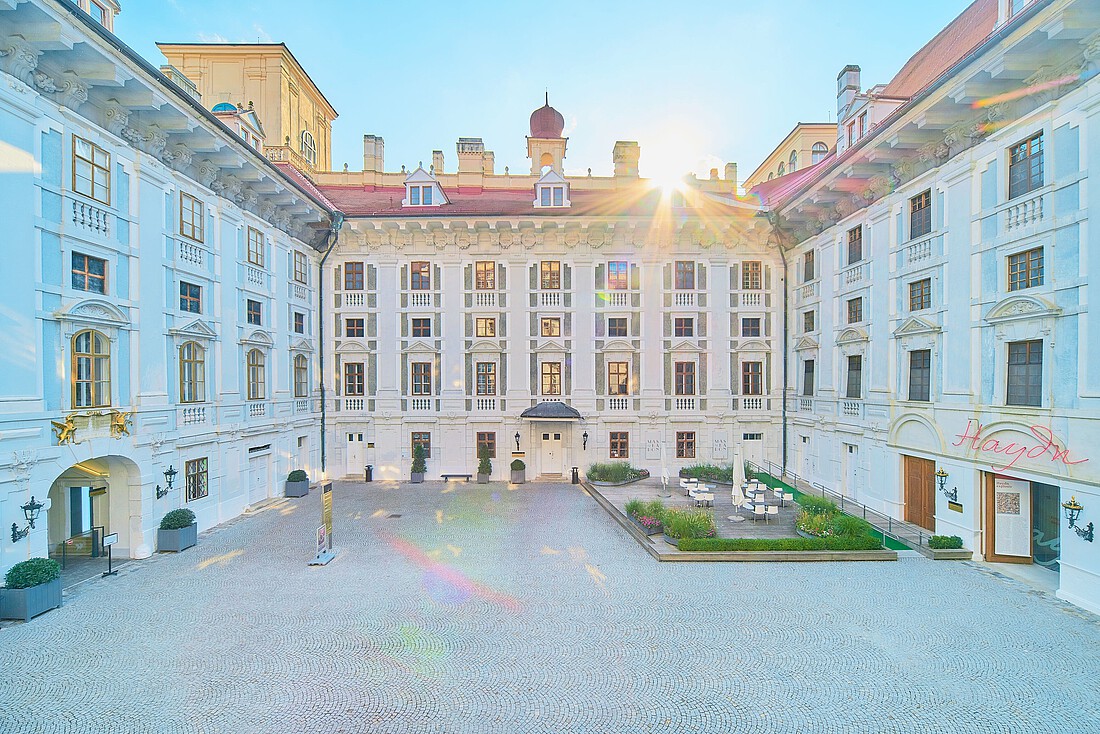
177 540
482 478
952 554
416 477
519 477
25 604
645 475
659 530
675 542
297 489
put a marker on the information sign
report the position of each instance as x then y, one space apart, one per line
109 540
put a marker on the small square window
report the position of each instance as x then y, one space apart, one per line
89 273
486 327
487 441
620 445
190 298
685 444
1025 269
353 327
683 326
750 327
920 294
616 326
421 328
855 310
252 310
420 276
808 321
551 326
299 322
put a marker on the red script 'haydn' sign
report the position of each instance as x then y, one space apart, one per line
1045 446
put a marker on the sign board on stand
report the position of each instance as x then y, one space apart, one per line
1011 517
325 552
108 541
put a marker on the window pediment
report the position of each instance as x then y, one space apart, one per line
419 347
302 345
916 325
485 346
853 335
618 345
351 347
686 346
806 343
259 339
95 312
197 329
752 345
1021 307
551 347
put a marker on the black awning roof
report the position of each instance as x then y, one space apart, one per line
551 411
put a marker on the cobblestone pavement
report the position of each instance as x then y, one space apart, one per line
466 608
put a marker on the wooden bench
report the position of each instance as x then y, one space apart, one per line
448 477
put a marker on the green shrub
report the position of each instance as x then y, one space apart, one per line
177 519
418 465
615 471
945 542
32 572
634 507
518 465
297 475
484 465
689 523
708 472
780 544
818 505
638 509
819 525
847 526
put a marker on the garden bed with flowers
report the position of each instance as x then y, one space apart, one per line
615 474
646 516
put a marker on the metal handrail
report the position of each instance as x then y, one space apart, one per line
95 532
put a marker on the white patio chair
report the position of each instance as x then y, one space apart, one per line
787 497
758 512
771 510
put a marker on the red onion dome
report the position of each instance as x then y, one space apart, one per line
546 122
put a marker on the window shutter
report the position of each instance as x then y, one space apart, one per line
601 277
701 272
635 277
468 277
566 277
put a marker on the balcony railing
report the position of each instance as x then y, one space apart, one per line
353 405
550 298
286 154
486 403
918 251
806 404
92 218
191 253
751 299
485 299
855 274
1025 213
297 290
353 299
616 299
684 403
752 403
618 403
194 416
255 276
420 299
683 298
807 291
257 409
420 404
301 405
851 408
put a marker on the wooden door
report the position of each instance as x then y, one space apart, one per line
920 492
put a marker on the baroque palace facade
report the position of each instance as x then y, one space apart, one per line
203 292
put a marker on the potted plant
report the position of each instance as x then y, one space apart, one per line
30 588
519 474
297 484
178 531
484 466
418 465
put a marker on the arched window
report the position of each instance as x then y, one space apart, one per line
818 152
91 370
308 147
782 170
301 376
792 163
192 373
771 175
256 374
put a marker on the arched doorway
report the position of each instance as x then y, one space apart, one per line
91 499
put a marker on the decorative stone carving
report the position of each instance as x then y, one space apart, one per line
155 140
72 91
22 59
43 82
115 118
207 173
21 464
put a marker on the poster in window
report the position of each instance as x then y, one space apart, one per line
1011 517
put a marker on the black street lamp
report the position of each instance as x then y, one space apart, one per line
941 480
584 441
517 440
30 512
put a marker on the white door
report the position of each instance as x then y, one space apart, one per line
259 479
851 469
355 455
551 453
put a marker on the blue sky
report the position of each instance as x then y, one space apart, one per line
696 83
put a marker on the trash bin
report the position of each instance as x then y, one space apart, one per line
368 473
576 476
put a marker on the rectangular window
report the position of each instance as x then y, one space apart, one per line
855 245
620 445
752 378
414 196
486 378
685 378
420 276
191 217
809 271
354 328
684 326
421 378
91 170
920 215
685 276
851 134
855 310
862 125
1025 269
89 273
353 276
487 441
618 378
190 298
808 378
751 275
550 275
855 377
1025 373
551 326
255 247
750 327
920 294
485 275
301 267
196 480
486 327
559 196
421 328
426 195
353 379
299 322
808 321
618 275
551 378
685 444
424 440
616 326
920 374
1025 166
253 312
544 196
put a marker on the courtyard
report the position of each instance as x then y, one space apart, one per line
468 608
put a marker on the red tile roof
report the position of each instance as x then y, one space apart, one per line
959 38
769 192
304 182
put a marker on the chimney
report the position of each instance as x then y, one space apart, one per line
471 152
731 174
488 161
437 161
714 174
373 153
847 87
625 155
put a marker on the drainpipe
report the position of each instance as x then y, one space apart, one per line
332 237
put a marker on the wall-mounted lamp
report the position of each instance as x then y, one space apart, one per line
1073 511
170 474
517 440
30 512
584 441
941 480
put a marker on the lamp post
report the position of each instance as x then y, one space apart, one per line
1073 511
30 512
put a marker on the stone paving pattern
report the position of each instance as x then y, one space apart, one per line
482 609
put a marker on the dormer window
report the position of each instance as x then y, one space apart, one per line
551 191
420 196
422 189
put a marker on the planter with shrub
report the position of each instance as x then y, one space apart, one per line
948 548
30 588
297 484
615 473
419 466
646 516
709 473
484 465
178 531
519 471
681 523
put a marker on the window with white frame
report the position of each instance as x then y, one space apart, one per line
551 378
684 378
618 378
192 373
618 275
354 379
485 275
191 217
301 267
486 378
752 378
91 370
1025 373
1025 166
818 153
421 378
308 147
301 376
257 374
854 386
91 170
752 275
619 445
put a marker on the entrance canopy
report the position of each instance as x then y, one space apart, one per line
552 411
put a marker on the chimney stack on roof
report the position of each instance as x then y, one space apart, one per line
626 154
374 153
437 162
731 175
847 87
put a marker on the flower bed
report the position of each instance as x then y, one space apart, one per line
682 523
646 515
615 473
709 473
821 518
861 543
